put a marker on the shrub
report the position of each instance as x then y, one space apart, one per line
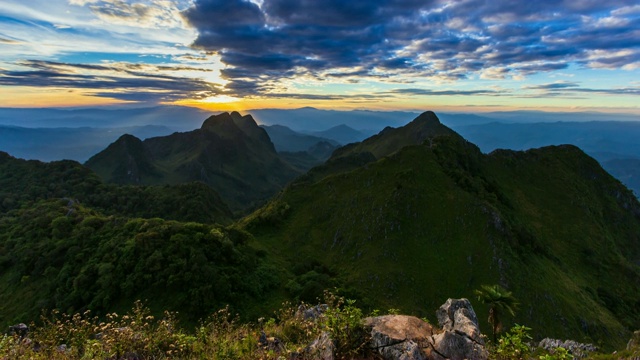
512 345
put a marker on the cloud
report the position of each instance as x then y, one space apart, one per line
427 92
571 89
155 14
9 41
124 81
276 40
553 86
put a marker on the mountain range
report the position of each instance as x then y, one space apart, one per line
77 134
403 219
230 153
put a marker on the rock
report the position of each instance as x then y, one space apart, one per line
321 348
20 330
399 337
634 343
578 350
311 313
446 313
453 345
270 343
461 336
466 322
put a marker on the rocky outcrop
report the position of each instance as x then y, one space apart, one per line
634 343
409 338
312 313
321 348
399 336
21 330
460 338
578 350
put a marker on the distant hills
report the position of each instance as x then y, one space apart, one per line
50 144
310 119
177 118
343 134
285 139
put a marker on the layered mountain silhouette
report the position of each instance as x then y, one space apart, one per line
343 134
230 153
417 214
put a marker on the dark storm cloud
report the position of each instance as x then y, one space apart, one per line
283 38
128 85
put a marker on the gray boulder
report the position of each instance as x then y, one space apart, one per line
460 338
321 348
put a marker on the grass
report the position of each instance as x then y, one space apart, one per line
138 334
286 334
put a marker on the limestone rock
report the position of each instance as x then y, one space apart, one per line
311 313
446 313
634 343
578 350
399 337
321 348
20 330
455 346
461 336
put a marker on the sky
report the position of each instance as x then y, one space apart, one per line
467 55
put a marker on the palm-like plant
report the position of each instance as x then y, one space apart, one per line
499 300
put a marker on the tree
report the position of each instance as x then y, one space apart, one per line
499 300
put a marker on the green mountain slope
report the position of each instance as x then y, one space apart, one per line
415 215
230 153
22 183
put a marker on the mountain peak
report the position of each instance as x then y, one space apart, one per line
215 121
427 117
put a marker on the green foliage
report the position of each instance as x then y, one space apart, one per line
82 336
221 336
72 258
343 320
559 353
513 344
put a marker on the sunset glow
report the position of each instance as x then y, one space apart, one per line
239 54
